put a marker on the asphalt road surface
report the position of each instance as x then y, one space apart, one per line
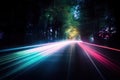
69 63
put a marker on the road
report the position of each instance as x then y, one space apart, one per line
69 63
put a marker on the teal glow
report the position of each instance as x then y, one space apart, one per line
31 57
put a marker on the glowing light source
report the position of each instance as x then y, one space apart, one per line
72 33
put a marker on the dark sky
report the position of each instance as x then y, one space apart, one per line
14 16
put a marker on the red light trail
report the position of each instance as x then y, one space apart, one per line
102 46
99 56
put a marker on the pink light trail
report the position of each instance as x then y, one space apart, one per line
99 56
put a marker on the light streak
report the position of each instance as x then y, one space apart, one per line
26 58
99 57
24 53
31 56
70 60
102 46
98 70
26 47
